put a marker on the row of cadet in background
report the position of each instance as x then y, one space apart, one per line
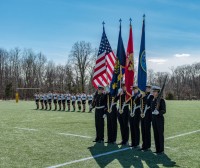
60 100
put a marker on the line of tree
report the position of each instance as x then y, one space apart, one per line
27 69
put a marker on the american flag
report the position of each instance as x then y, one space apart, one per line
103 70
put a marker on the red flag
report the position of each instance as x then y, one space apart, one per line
129 69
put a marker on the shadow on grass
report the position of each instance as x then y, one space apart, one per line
128 157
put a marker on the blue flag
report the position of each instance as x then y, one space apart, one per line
115 83
121 54
142 68
120 61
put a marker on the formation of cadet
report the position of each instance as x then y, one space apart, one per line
135 115
44 101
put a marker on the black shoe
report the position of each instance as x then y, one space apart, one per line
125 144
141 149
160 153
108 142
146 149
95 140
100 141
136 146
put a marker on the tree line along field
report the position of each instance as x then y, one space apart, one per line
39 138
28 69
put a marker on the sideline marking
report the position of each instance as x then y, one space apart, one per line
82 136
187 133
91 157
27 129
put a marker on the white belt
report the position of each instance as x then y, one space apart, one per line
124 105
135 108
100 107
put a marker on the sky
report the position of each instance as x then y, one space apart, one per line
53 26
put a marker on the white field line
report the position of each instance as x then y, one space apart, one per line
66 134
115 151
82 136
27 129
91 157
29 120
187 133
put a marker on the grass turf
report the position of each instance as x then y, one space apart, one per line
44 146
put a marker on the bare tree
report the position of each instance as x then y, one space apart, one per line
81 57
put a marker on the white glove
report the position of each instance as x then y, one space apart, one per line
155 112
120 91
107 89
104 116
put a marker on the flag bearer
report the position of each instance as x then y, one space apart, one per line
111 118
135 118
146 117
123 115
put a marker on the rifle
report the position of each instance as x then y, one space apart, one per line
161 94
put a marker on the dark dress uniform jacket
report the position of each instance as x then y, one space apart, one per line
100 103
146 121
158 124
123 117
135 121
111 118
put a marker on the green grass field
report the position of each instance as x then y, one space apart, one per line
31 138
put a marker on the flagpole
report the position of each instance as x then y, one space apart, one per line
133 66
108 97
120 67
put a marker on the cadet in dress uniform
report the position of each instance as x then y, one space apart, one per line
83 97
99 102
74 102
79 102
63 101
42 101
123 115
55 99
49 96
146 117
111 118
37 100
68 97
59 101
158 109
135 118
90 98
45 101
